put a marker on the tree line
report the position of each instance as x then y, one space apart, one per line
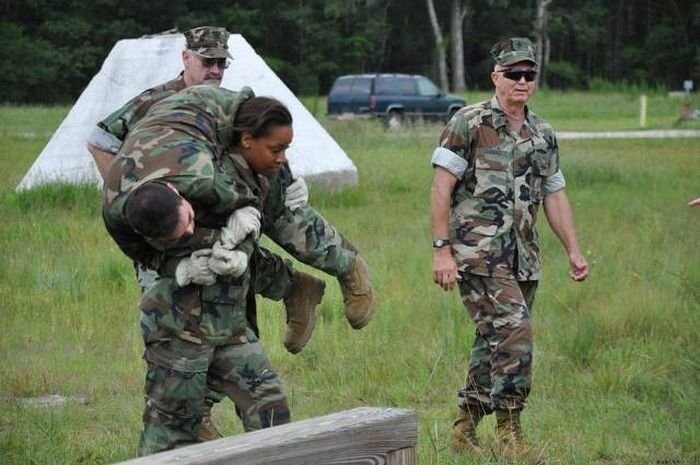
52 48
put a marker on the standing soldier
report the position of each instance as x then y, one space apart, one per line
495 164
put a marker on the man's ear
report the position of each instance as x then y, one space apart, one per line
172 188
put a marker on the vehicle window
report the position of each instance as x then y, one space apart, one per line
426 87
406 86
342 86
386 85
362 86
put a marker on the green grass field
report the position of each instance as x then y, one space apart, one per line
617 358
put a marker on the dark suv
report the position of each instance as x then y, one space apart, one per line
391 96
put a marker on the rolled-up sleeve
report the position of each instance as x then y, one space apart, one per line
103 140
447 159
555 182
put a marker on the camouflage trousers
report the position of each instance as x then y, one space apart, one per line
499 374
304 233
179 375
308 237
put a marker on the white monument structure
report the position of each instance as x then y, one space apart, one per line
135 65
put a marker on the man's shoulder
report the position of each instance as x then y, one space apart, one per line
470 117
119 122
193 95
474 114
160 91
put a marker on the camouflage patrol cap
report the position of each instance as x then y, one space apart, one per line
513 50
208 41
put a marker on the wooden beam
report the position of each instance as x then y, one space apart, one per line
364 435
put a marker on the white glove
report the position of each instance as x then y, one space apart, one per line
297 194
195 269
227 262
242 222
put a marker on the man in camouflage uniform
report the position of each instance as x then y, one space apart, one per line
194 326
291 221
495 164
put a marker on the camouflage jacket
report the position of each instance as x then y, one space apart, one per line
184 139
181 140
113 130
216 314
496 199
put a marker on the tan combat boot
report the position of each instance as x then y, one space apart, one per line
358 295
464 438
208 430
304 296
510 436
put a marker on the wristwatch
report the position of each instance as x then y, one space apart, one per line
440 243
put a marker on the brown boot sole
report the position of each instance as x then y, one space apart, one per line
301 342
359 324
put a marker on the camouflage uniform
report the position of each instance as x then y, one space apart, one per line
197 337
304 233
502 178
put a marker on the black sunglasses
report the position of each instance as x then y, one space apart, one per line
518 75
210 62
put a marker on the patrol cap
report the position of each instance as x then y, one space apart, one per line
208 41
513 50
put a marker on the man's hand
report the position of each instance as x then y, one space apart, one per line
195 269
444 268
239 225
227 262
297 194
579 267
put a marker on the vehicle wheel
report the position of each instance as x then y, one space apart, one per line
394 120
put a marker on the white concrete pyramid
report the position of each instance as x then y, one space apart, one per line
135 65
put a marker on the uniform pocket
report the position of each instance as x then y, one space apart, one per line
543 164
224 293
542 160
472 229
223 309
165 306
179 355
491 169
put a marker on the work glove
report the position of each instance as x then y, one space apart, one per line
195 269
239 225
297 194
225 261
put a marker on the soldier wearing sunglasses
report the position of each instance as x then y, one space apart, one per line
496 163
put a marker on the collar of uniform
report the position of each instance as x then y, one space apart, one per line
242 167
500 120
258 183
530 123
